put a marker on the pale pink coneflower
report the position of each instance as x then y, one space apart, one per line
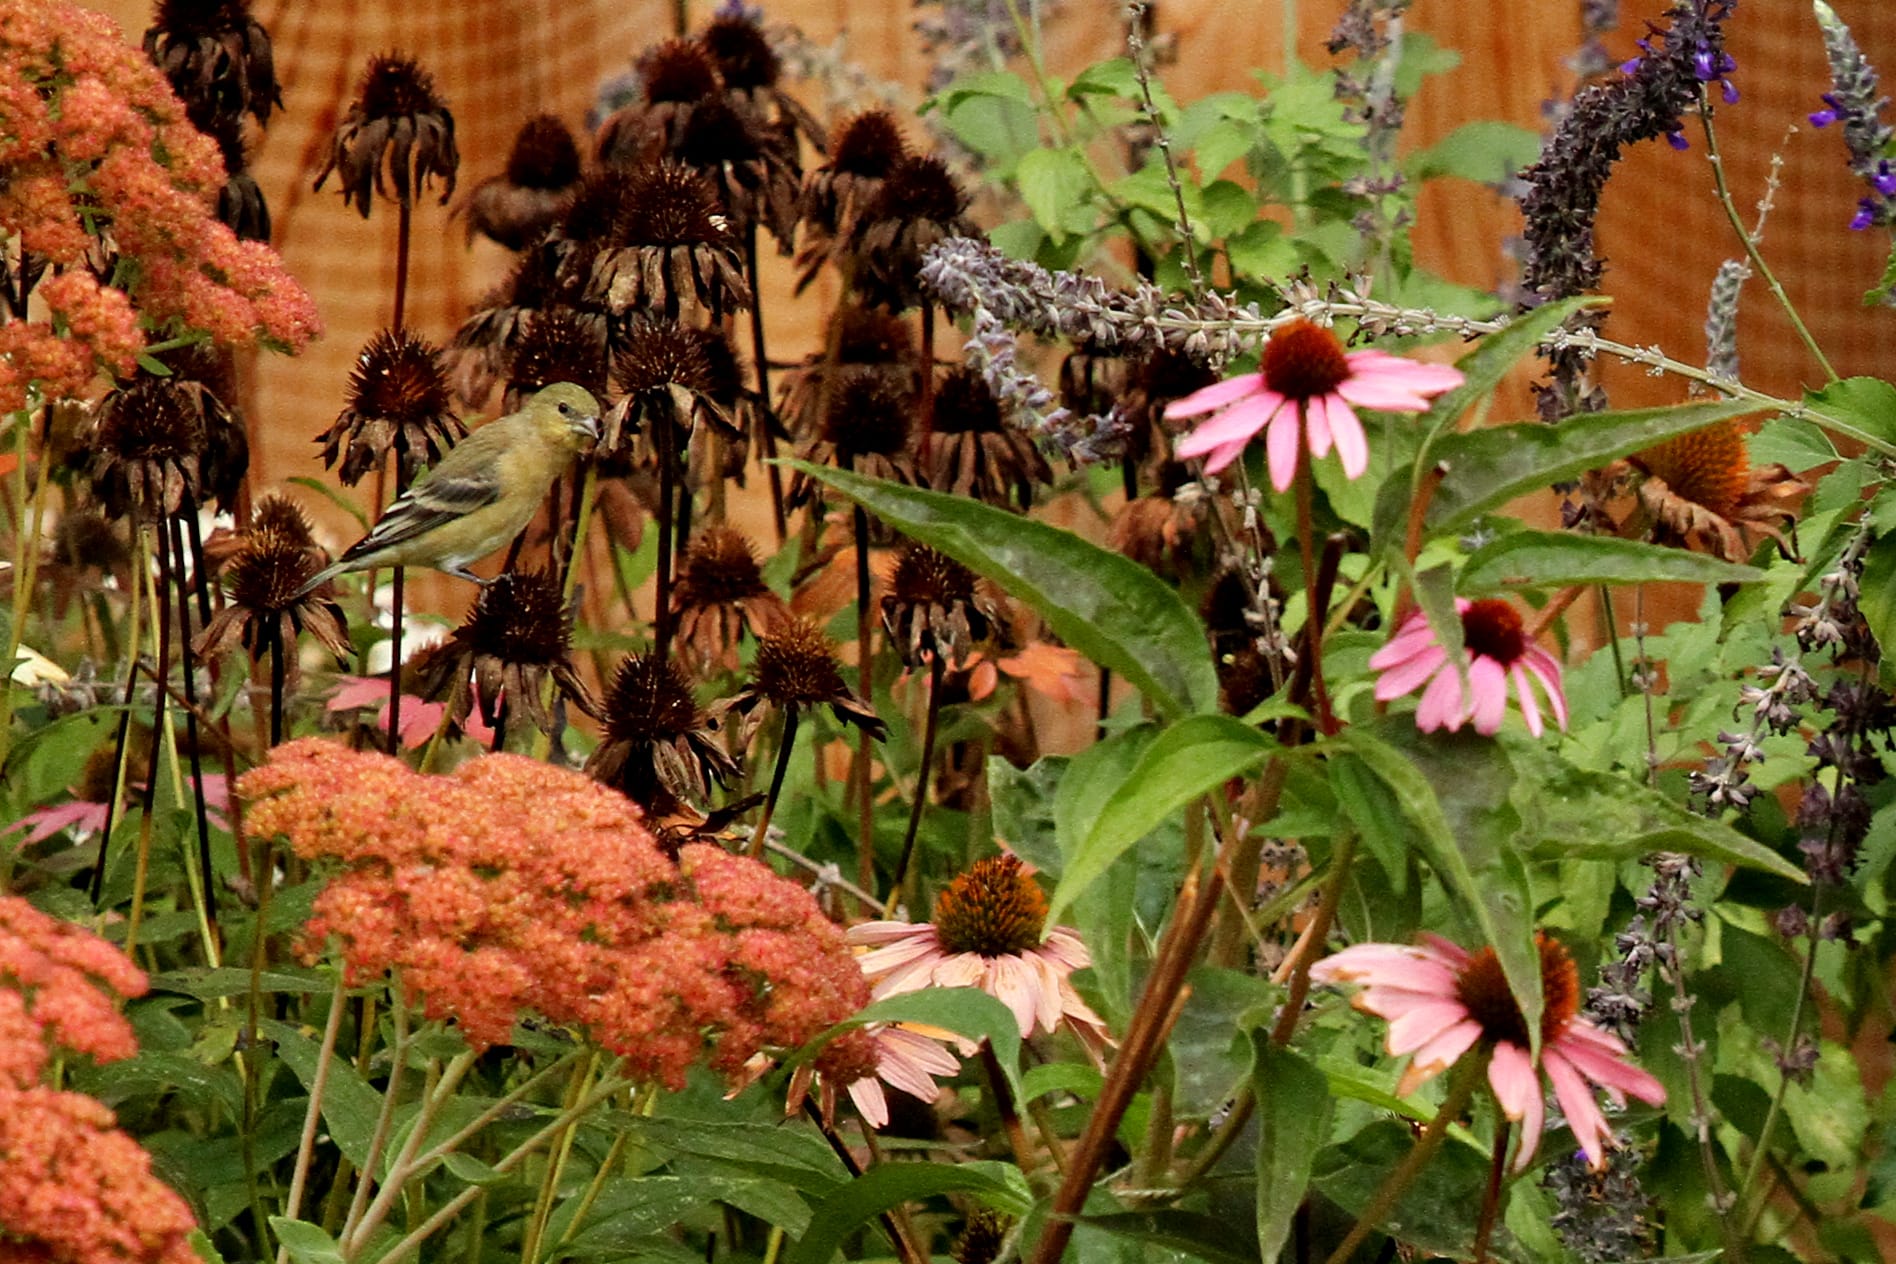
1495 650
1442 1001
1305 394
989 933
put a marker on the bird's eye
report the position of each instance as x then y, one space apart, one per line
566 410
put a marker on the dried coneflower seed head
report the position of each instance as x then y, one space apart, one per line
267 575
871 335
677 70
544 155
870 144
395 86
982 1237
649 700
1303 361
217 57
869 416
965 403
919 187
283 517
716 134
521 617
1709 467
603 195
741 53
659 354
559 346
398 377
669 204
796 667
1483 987
923 576
720 568
992 910
1492 628
724 369
148 449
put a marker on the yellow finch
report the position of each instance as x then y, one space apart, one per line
482 494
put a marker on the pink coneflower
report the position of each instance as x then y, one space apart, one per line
1496 649
891 1054
987 933
1307 386
1441 1001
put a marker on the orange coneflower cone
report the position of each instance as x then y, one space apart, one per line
1700 491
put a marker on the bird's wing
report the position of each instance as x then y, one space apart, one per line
445 494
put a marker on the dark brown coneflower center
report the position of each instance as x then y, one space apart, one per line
150 420
919 188
795 667
678 70
189 19
743 56
964 404
993 910
398 376
1708 467
660 353
982 1237
1303 361
669 205
1491 627
924 577
1483 988
870 335
544 155
283 516
717 134
559 347
720 569
603 194
1167 374
724 370
395 85
521 617
650 700
868 145
869 416
272 567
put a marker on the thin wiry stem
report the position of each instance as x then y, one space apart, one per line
1136 14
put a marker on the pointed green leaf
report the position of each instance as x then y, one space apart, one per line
886 1185
1196 1234
1111 609
1547 559
1183 763
1293 1123
1488 468
1860 408
306 1243
350 1106
1578 813
1454 789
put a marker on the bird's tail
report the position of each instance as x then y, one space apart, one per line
320 578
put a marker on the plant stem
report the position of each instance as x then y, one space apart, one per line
662 442
1467 1077
784 744
766 415
1137 14
550 1179
937 665
1313 611
398 1059
1750 241
161 671
1006 1109
1749 1209
25 570
1491 1198
188 669
319 1082
865 685
116 802
1310 944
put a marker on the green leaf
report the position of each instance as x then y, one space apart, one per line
966 1011
1437 1211
1573 812
465 1167
1198 1234
210 984
1860 408
1876 598
350 1106
306 1243
1486 151
1109 608
1293 1122
999 1186
1547 559
1482 370
1371 807
1454 789
1488 468
1115 77
1187 761
1052 182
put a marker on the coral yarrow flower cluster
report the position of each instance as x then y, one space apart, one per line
514 886
1304 396
72 1186
87 122
1443 1001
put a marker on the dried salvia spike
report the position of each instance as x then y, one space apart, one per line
396 139
398 402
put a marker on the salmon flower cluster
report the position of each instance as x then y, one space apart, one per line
513 886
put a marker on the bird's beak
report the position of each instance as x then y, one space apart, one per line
591 427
